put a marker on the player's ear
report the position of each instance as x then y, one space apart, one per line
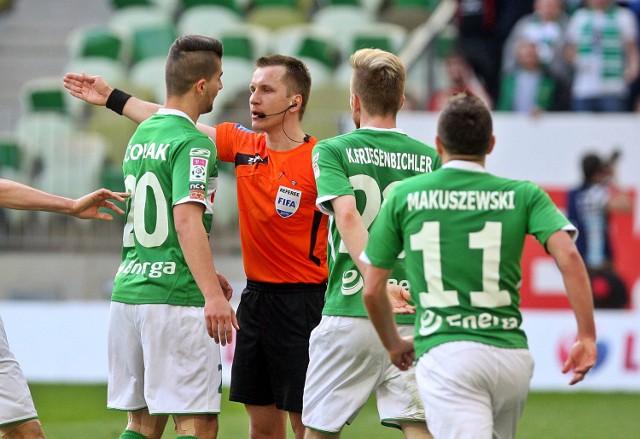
492 143
200 86
439 147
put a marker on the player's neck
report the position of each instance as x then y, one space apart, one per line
478 159
180 105
386 121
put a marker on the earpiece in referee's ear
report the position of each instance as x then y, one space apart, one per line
295 104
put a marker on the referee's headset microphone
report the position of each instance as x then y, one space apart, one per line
262 115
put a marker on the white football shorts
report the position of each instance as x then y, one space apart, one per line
473 390
347 363
15 398
161 357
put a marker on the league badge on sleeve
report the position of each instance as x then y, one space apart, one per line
287 201
198 169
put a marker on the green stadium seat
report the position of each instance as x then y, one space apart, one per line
229 4
43 95
408 13
10 153
208 20
94 42
126 22
276 17
307 41
152 41
149 74
246 41
385 36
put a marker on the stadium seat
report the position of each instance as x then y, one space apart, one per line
114 72
10 152
206 20
119 4
74 167
168 5
151 42
149 74
41 134
307 41
275 17
385 36
327 104
229 4
127 21
340 19
237 74
247 41
94 41
43 95
408 13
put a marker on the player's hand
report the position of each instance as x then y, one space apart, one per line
87 207
582 358
403 354
399 298
220 319
225 285
92 89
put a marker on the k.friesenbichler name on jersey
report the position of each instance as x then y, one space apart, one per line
438 199
385 159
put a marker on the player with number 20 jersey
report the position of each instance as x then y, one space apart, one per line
163 166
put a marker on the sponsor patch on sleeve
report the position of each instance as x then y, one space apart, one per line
200 152
196 195
198 170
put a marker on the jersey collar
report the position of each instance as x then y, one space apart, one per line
395 130
174 112
464 165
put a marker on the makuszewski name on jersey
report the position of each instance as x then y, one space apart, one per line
287 201
438 199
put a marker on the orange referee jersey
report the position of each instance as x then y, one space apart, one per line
283 235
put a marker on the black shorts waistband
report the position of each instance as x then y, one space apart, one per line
267 287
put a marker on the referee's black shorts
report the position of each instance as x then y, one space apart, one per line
272 345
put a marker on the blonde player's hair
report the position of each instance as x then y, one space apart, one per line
378 79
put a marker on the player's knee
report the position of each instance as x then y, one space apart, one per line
30 429
199 426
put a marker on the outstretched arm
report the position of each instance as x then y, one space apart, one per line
584 352
15 195
96 91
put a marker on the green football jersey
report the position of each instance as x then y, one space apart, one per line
167 162
462 231
365 163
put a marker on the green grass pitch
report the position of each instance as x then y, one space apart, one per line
79 412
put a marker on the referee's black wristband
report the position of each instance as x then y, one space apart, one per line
116 100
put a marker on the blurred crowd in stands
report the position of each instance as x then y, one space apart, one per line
547 55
